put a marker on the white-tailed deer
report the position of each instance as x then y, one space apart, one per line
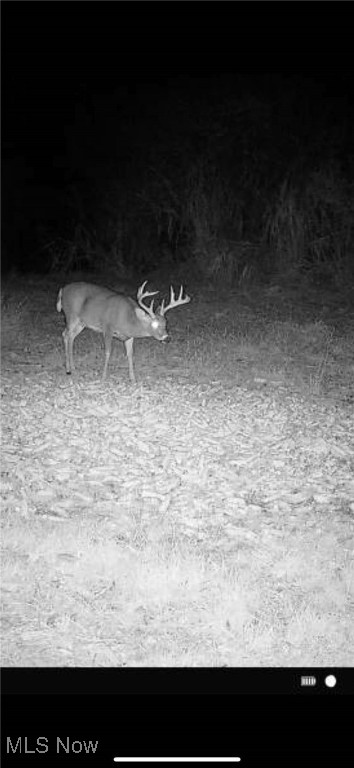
114 315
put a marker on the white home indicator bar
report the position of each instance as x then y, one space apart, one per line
177 759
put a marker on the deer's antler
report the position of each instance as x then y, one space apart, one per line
173 301
141 294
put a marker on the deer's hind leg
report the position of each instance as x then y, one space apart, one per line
69 334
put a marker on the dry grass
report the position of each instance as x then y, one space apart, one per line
203 518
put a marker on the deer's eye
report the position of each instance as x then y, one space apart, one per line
155 324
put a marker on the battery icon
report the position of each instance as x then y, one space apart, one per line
308 681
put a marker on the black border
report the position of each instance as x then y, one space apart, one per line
166 682
263 730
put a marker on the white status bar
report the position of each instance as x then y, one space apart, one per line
177 759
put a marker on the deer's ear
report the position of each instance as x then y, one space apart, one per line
141 315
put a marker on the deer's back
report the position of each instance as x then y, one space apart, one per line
98 307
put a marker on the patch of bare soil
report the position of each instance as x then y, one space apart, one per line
201 518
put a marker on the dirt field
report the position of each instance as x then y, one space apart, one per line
203 517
